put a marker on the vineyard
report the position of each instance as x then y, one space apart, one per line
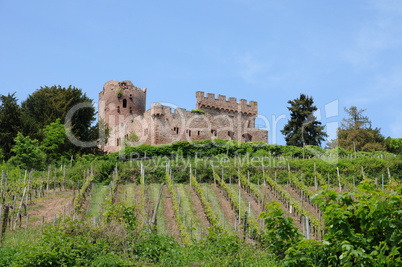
234 210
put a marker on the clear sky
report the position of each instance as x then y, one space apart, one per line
268 51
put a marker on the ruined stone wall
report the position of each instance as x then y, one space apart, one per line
119 103
227 120
230 105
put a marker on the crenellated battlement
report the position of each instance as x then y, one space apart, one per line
231 104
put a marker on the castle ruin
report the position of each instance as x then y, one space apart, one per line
122 107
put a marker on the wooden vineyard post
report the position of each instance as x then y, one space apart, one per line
382 182
307 228
153 220
41 224
362 172
19 209
12 215
64 177
389 175
239 206
27 222
64 213
339 180
263 171
41 185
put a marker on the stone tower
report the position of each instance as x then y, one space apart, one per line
120 102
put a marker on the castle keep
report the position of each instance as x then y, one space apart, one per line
122 107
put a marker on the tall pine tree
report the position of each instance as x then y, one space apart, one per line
10 122
303 126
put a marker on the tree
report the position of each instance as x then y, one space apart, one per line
54 140
356 131
303 127
10 122
394 145
48 104
27 153
356 119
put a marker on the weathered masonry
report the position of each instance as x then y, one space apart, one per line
122 107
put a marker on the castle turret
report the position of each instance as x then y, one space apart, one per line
120 100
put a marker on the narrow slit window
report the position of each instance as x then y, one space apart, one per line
124 103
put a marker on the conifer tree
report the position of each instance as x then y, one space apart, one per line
303 127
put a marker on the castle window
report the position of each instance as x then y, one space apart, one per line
131 97
198 132
124 103
231 134
213 132
123 84
247 137
189 132
118 109
176 130
146 131
131 110
118 141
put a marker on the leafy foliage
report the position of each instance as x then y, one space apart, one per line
27 153
279 233
394 145
48 104
55 137
356 132
198 111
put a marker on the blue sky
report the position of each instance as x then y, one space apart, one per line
268 51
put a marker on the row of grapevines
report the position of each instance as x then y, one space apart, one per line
253 224
295 181
245 182
207 206
296 204
183 231
79 199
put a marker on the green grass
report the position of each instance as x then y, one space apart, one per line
20 237
98 199
160 216
130 190
186 203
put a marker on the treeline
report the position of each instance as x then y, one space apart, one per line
35 128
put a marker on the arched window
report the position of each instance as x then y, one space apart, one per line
124 103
